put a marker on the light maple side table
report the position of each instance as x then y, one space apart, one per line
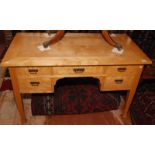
75 55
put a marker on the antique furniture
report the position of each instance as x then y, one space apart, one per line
76 55
60 33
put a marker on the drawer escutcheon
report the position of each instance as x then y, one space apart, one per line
121 69
35 83
79 70
33 71
119 81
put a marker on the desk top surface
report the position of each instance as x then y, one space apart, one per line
73 49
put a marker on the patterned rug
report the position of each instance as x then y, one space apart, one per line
142 110
75 96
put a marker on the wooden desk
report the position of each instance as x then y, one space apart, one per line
76 55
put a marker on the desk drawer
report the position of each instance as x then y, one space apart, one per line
122 70
117 83
33 71
35 85
78 70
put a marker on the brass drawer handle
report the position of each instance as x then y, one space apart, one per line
35 83
119 81
121 69
33 71
78 70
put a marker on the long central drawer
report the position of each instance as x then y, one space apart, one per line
78 70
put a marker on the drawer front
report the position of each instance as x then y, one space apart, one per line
78 70
122 70
119 83
35 85
33 71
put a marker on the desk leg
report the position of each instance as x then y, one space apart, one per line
17 95
129 98
132 91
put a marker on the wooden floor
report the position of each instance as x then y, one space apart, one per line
103 118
